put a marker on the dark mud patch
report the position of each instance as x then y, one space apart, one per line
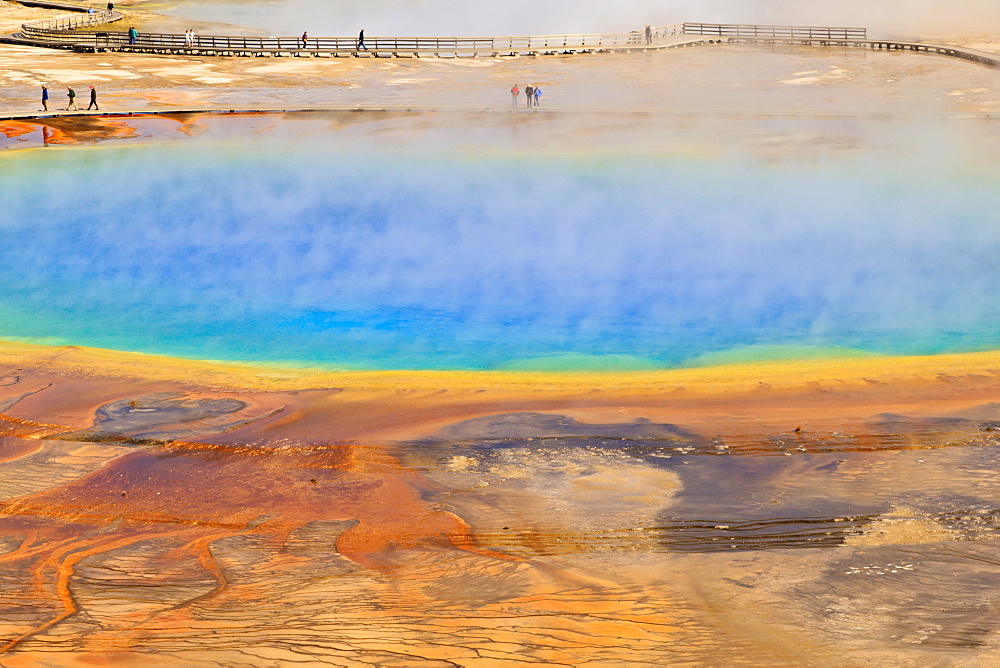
165 416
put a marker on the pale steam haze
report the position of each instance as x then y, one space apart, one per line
329 251
523 17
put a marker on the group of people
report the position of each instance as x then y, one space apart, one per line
71 95
532 95
189 39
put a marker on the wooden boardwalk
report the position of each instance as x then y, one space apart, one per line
85 34
341 47
84 31
747 34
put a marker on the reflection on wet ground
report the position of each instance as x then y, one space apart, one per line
74 130
773 139
545 532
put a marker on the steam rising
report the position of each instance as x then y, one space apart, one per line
347 253
521 17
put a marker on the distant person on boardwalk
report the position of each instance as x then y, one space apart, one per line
133 35
361 40
538 95
649 35
188 39
305 38
514 92
45 98
529 95
111 8
93 99
71 94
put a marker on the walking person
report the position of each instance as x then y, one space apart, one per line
529 95
649 35
111 8
305 38
187 39
45 98
538 95
361 41
514 92
93 99
71 94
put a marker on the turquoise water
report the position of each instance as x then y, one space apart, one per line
318 252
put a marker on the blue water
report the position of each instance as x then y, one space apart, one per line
310 252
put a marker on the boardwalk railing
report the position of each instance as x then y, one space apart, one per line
59 25
59 31
777 32
72 32
65 31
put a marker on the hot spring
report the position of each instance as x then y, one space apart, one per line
388 251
